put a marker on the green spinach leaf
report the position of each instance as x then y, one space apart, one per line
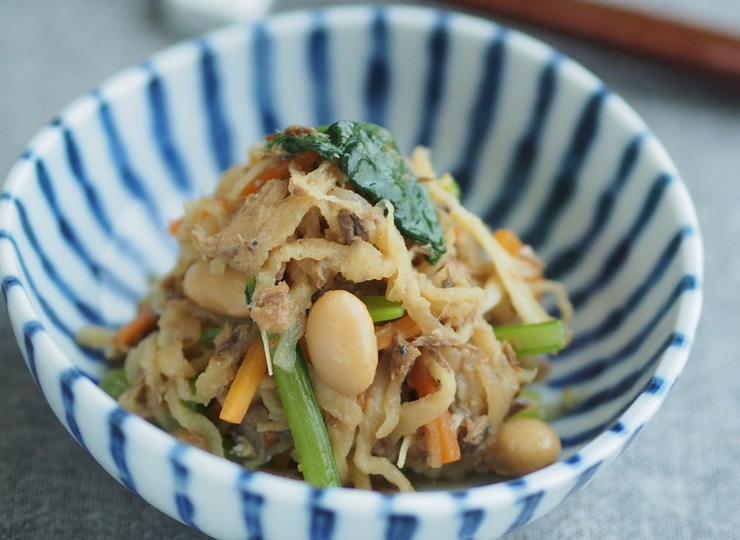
371 160
316 141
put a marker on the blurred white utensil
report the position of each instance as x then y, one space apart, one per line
193 17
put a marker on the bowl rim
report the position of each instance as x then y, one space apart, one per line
563 474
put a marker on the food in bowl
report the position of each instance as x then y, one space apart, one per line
336 314
538 144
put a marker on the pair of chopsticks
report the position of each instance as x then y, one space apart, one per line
699 49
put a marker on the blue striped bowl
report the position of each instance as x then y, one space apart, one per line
539 145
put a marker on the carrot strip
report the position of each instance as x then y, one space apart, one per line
175 226
131 332
245 384
509 240
531 267
254 185
279 169
422 380
441 438
441 441
405 326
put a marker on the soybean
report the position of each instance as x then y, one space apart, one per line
340 338
219 293
524 445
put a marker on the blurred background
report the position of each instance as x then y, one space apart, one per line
678 480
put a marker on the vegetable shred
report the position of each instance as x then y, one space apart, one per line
219 356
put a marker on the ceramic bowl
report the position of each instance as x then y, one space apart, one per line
538 144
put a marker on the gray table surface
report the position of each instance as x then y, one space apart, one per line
678 480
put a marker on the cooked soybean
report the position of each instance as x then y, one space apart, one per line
220 293
524 445
341 343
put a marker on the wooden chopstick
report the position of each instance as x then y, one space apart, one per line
703 50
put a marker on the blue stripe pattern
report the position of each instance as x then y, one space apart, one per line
621 313
602 365
519 173
320 71
615 391
437 63
323 520
162 133
117 434
262 79
7 283
470 523
584 477
619 255
130 179
378 79
568 257
181 474
482 114
67 380
52 272
631 343
529 505
252 507
218 126
619 388
401 527
77 167
655 386
30 329
564 184
116 284
74 159
50 313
